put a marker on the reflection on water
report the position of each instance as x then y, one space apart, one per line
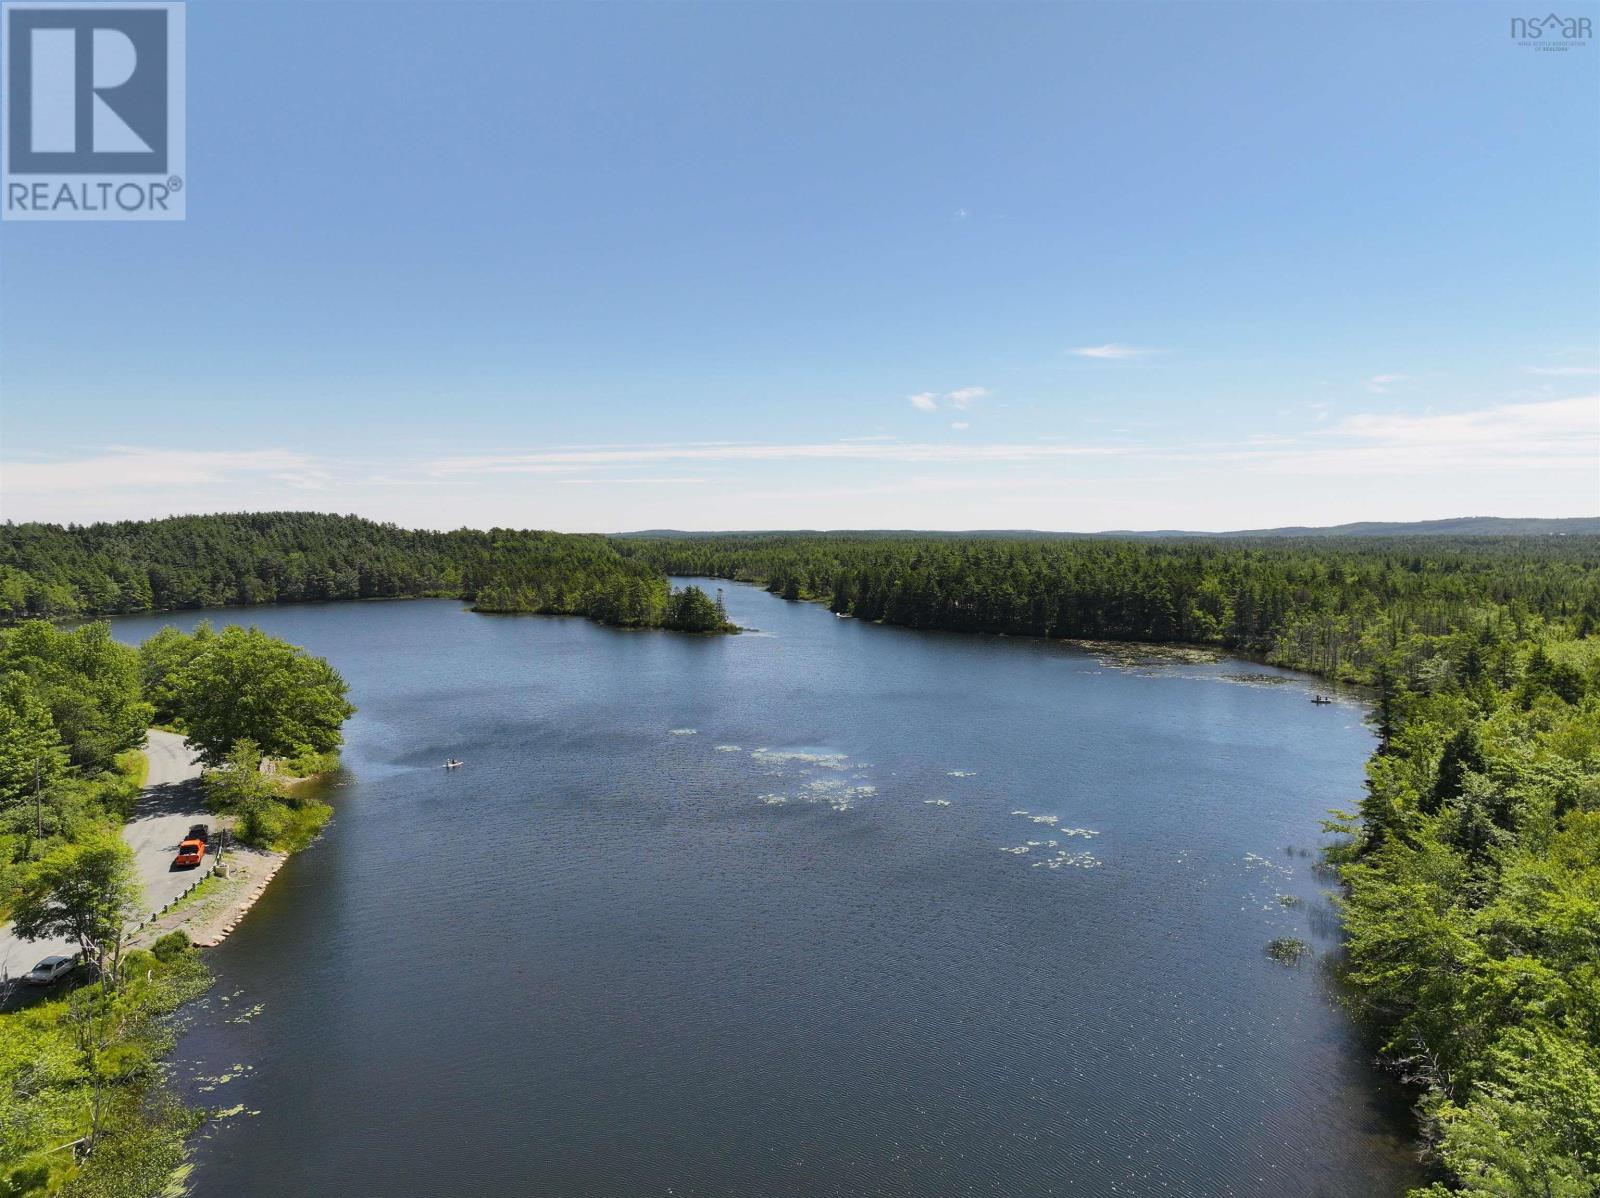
833 910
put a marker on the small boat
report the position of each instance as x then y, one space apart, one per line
454 764
1320 699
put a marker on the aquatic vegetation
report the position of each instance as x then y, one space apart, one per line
1066 860
827 761
1053 822
1289 950
836 793
1255 679
839 793
1145 658
1058 857
1257 860
208 1084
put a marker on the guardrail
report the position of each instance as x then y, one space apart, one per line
155 915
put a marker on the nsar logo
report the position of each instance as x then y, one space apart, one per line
91 114
1552 32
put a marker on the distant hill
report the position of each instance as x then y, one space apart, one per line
1460 526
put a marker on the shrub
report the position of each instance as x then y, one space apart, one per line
172 946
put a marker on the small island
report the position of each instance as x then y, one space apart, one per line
632 603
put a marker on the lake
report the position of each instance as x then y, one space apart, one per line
822 909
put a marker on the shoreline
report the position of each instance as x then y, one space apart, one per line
214 905
218 903
1197 652
469 607
249 871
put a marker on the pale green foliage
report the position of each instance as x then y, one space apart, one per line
162 660
51 1076
89 682
242 684
270 814
1535 1128
238 783
1473 908
30 749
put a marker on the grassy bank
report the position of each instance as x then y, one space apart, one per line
84 1106
270 808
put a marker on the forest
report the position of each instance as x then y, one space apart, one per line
1472 904
1470 865
53 572
1332 607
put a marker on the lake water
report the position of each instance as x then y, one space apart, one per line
826 909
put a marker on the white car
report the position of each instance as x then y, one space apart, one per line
49 970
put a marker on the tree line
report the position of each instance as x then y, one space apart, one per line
1333 607
48 571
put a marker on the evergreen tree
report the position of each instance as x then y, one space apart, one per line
1463 755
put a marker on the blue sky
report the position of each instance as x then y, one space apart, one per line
946 266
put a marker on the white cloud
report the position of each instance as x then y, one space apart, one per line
675 480
1564 372
1555 427
961 398
1379 384
1112 352
539 462
1539 458
1556 437
125 468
